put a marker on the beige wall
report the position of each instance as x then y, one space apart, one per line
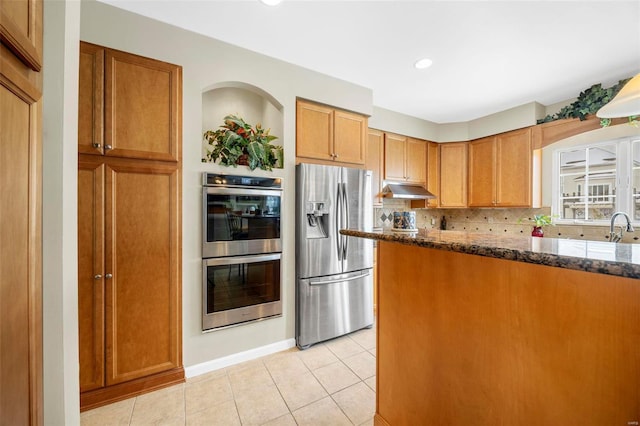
59 206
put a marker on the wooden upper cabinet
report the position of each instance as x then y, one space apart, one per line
500 170
433 172
21 30
453 174
405 159
375 157
91 100
394 156
482 157
350 135
514 168
129 108
432 175
314 131
330 135
416 161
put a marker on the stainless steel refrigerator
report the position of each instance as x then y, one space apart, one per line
334 281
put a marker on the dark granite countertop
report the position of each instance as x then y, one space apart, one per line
591 256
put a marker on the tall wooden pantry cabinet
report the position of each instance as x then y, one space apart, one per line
129 225
21 212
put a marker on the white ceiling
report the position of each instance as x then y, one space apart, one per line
488 56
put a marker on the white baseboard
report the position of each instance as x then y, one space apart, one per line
216 364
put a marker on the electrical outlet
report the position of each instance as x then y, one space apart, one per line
433 221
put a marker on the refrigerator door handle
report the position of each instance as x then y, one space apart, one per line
339 280
338 211
345 212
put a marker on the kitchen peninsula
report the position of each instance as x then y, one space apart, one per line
486 330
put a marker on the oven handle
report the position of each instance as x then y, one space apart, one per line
242 191
236 260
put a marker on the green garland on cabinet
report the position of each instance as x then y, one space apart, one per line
589 102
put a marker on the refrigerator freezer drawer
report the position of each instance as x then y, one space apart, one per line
332 306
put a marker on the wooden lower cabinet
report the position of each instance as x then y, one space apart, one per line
488 341
129 277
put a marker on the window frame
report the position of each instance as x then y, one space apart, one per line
622 184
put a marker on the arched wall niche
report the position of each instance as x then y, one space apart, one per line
603 134
244 100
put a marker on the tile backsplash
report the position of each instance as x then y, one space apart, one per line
499 220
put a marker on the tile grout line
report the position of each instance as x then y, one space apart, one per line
133 407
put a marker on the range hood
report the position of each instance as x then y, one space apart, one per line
408 192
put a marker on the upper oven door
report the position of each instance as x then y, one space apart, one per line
240 221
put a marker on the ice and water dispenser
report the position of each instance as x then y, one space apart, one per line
317 219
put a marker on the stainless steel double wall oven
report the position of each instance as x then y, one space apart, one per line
241 249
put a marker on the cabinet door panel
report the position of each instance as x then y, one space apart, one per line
433 172
375 155
21 30
14 258
349 137
91 100
513 173
416 159
453 174
143 255
90 266
142 107
482 173
394 157
20 249
314 131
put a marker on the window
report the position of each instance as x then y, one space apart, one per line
594 181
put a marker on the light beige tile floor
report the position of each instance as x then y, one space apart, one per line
331 383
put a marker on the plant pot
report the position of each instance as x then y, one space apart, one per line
537 231
243 160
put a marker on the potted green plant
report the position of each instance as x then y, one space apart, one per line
237 142
539 222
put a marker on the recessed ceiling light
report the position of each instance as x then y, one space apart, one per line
271 2
423 63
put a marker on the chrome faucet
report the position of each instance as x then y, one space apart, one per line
614 237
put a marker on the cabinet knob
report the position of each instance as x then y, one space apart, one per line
108 276
96 145
335 155
97 277
108 147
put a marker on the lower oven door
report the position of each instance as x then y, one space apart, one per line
239 289
331 306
